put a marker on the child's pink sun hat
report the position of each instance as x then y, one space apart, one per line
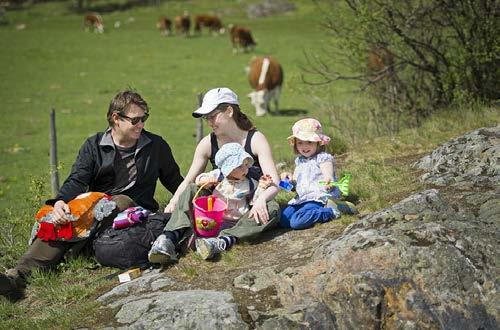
308 129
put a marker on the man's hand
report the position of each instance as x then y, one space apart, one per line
60 213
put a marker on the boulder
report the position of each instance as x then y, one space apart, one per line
426 262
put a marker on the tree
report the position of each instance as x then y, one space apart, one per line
415 56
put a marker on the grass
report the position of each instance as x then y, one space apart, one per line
52 63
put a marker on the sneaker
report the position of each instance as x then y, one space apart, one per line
208 248
162 251
347 207
333 206
11 285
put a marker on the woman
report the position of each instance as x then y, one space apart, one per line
220 108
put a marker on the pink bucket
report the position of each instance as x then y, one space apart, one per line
207 223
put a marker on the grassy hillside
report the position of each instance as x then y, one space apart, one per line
53 63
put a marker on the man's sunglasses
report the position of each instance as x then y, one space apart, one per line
134 120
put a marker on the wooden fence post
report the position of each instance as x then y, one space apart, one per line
54 174
199 121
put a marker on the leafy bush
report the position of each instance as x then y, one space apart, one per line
415 57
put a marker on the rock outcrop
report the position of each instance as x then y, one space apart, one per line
472 159
427 262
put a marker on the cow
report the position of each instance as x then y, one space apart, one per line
241 38
266 77
213 23
94 21
380 63
182 24
164 25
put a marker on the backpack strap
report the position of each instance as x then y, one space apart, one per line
221 177
215 147
248 143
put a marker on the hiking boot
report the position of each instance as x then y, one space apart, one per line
162 251
208 248
11 285
347 207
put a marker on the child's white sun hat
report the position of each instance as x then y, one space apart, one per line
231 156
308 129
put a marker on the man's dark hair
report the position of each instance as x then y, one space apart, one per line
122 101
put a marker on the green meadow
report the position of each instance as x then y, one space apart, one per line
53 63
50 62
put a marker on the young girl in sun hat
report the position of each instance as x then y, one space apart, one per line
313 201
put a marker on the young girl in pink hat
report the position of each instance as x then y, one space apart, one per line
313 201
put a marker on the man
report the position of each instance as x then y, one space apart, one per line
125 162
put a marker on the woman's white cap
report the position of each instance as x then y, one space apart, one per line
213 98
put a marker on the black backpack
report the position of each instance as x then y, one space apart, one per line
128 247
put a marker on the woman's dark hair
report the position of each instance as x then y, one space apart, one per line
240 118
122 101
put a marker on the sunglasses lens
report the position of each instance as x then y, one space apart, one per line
136 120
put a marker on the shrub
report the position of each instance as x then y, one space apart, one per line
415 57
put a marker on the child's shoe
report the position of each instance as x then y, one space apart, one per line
331 204
162 251
208 248
347 207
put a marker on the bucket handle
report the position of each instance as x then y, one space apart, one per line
201 187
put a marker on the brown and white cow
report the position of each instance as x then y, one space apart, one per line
213 23
94 21
182 24
241 38
266 77
165 26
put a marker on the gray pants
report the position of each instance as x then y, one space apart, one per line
245 229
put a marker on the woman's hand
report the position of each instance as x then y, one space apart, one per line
265 181
60 212
259 211
170 207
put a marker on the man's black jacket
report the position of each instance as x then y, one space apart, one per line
93 169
